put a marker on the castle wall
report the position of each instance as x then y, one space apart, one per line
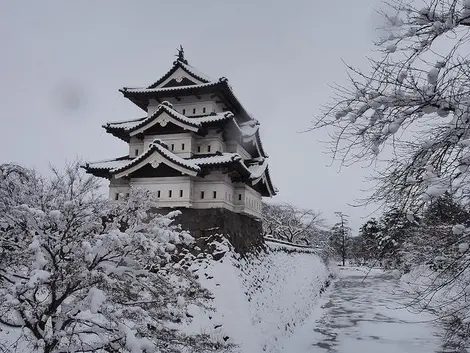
213 139
235 147
180 144
243 231
171 191
189 105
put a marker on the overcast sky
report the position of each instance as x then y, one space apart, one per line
63 62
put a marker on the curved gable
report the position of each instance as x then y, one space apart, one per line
154 156
181 74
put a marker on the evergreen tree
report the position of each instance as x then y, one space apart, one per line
340 237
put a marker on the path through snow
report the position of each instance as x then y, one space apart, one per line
366 315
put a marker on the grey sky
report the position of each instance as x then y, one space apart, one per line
63 62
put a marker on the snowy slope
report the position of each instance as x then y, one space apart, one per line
260 300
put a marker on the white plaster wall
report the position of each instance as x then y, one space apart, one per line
118 189
136 144
186 105
196 108
250 200
177 140
234 147
214 182
227 194
212 139
164 185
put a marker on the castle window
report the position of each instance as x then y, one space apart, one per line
136 152
239 197
199 148
214 194
194 110
184 111
204 109
158 193
116 197
182 147
170 192
209 148
202 194
181 193
172 146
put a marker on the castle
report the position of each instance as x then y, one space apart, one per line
196 147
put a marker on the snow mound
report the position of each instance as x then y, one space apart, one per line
261 299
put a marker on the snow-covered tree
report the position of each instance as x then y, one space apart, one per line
291 223
79 273
414 104
410 116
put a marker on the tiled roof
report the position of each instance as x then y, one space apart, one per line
108 164
131 125
161 148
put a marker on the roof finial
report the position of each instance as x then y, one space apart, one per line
180 55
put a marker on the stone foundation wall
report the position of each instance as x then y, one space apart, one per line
243 232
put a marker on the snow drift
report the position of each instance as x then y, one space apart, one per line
259 300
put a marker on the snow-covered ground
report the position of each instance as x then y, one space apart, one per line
260 300
366 315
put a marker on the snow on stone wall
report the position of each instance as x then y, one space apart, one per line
261 299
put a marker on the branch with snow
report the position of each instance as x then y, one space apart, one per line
81 274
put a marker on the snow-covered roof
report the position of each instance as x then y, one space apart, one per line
168 89
108 164
219 158
158 147
190 70
193 123
255 171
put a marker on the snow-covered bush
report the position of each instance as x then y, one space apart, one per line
79 273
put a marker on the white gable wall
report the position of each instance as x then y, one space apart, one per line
162 186
179 73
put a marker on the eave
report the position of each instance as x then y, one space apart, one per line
141 96
157 153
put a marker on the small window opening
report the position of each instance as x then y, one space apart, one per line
172 146
199 148
239 197
209 148
194 110
116 197
158 193
214 194
181 193
182 147
184 111
202 194
204 109
136 152
170 192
